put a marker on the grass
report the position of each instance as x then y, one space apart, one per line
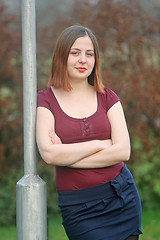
150 227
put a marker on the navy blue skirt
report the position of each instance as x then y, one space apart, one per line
110 211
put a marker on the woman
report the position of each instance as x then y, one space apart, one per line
81 129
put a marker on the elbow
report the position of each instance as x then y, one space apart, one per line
48 155
126 153
48 161
123 153
45 153
52 158
47 158
126 157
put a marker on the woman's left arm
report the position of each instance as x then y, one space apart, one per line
116 152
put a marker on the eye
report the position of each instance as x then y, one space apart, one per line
75 53
90 54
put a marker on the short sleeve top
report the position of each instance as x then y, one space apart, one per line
75 130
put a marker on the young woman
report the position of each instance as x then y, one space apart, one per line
81 129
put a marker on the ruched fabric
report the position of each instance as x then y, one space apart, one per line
110 211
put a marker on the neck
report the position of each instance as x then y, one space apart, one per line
80 85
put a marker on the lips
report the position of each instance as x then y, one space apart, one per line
81 69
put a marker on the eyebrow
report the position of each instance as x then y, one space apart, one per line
88 50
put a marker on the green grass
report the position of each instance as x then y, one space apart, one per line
56 230
150 227
8 233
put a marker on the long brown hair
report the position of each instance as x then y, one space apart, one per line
58 74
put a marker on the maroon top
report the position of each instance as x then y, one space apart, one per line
75 130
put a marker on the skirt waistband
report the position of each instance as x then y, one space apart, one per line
106 190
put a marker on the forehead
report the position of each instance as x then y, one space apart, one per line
83 43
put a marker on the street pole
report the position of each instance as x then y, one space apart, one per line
31 204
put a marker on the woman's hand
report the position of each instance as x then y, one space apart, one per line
54 138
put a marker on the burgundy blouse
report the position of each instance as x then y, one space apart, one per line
75 130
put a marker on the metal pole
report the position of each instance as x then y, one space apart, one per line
31 204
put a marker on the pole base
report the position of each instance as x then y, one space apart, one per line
31 208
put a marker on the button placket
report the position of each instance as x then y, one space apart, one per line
85 127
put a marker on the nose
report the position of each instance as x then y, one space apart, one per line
82 58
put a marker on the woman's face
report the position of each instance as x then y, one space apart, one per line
81 59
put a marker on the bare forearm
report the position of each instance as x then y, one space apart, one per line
68 154
105 158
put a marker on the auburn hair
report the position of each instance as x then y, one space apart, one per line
58 74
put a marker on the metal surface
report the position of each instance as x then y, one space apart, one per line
31 204
31 208
29 84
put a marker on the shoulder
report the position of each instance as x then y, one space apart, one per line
110 93
109 98
43 93
43 98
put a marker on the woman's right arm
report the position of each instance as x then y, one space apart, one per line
60 154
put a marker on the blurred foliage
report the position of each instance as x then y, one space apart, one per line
146 173
8 196
11 128
129 40
8 193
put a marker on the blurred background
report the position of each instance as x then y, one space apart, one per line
128 32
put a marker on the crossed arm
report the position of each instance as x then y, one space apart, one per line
95 154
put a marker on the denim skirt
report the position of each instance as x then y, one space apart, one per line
110 211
